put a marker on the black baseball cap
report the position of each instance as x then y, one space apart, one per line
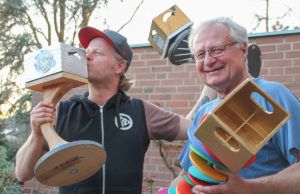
118 41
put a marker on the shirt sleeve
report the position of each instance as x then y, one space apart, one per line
287 138
185 161
161 124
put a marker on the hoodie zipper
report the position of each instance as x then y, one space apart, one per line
102 142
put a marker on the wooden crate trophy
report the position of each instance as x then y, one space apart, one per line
54 71
166 27
238 127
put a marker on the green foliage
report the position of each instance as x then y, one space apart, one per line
8 182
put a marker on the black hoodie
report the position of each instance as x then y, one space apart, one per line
122 124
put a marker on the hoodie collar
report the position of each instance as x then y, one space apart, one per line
93 108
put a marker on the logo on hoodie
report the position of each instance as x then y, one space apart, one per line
126 121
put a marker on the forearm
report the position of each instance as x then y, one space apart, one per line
285 181
27 156
207 95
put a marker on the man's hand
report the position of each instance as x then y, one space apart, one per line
40 114
234 184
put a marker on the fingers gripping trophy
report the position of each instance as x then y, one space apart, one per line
54 71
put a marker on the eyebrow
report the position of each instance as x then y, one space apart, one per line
94 50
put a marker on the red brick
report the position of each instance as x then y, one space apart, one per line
276 71
150 167
160 175
297 62
178 75
160 97
277 63
156 62
161 75
296 46
190 81
269 40
162 69
293 86
279 78
293 54
145 76
150 83
284 47
165 89
297 94
177 104
297 78
150 50
150 56
272 56
292 38
140 70
192 89
136 90
267 48
136 64
135 57
184 96
294 70
138 50
172 82
190 67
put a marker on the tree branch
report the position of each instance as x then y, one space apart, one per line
136 9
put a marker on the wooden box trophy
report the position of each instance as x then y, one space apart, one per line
238 127
166 27
54 71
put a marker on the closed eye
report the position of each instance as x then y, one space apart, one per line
200 55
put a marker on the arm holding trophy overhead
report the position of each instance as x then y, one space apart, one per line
54 71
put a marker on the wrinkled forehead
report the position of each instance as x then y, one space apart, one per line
210 36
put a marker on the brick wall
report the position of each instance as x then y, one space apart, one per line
177 88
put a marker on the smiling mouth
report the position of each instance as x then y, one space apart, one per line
213 70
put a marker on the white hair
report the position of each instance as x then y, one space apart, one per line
237 32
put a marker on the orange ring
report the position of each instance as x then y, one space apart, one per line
201 164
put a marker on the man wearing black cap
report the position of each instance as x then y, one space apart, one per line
104 114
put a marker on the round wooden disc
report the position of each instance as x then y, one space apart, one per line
201 164
195 172
70 163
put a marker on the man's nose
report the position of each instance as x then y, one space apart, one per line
88 56
208 59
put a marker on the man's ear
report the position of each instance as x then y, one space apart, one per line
120 67
244 50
